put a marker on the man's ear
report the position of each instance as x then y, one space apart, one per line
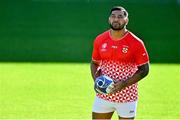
109 20
127 20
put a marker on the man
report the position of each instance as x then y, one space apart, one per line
120 55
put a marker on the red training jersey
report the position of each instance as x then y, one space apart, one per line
119 60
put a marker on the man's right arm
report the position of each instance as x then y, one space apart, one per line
95 72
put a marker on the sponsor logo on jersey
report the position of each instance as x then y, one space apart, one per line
131 111
114 46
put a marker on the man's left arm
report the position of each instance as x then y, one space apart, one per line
142 71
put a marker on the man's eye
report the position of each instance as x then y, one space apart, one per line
120 16
113 16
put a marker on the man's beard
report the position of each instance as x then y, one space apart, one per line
120 27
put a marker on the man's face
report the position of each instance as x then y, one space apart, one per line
118 20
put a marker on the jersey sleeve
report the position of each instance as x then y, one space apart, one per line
140 53
95 54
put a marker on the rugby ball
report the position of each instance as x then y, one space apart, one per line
103 84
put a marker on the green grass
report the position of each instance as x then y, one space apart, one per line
65 91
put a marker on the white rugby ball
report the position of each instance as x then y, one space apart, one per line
104 84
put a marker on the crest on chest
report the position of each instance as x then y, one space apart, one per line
104 47
125 49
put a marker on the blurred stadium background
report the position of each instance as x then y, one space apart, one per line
45 44
63 30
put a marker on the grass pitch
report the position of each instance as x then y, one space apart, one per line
65 91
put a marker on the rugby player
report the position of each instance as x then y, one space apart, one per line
122 56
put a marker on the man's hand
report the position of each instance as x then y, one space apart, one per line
118 86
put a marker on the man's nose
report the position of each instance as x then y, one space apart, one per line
116 19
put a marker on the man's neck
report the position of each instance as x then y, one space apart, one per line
118 34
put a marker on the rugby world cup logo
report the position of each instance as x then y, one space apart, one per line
103 47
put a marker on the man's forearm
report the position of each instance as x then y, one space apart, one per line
94 71
140 74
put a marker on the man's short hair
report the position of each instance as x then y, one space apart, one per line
121 9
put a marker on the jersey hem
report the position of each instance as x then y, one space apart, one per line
142 63
125 101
